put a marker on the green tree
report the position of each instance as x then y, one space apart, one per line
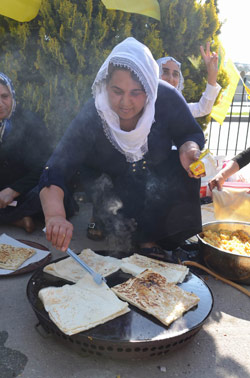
53 59
185 26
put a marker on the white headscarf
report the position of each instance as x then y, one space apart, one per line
166 59
5 124
136 57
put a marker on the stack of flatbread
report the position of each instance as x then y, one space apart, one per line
12 257
152 293
70 270
136 264
84 305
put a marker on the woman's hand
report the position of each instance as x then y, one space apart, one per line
59 232
211 62
189 152
218 180
7 195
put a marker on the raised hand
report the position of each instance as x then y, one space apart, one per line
211 62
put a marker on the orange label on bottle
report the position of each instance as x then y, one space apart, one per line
197 168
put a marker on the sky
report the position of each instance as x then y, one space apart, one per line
235 32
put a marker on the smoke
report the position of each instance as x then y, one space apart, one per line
107 211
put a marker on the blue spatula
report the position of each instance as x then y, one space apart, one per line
98 278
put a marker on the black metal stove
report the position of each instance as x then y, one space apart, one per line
134 335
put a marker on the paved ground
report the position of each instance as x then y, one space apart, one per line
220 349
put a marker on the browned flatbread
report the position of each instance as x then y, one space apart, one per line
12 257
135 264
151 292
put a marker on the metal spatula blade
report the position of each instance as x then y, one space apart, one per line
98 278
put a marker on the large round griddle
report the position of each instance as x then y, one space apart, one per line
133 335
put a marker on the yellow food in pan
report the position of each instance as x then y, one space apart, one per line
232 241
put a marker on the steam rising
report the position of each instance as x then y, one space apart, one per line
108 211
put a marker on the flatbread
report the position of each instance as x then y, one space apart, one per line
136 264
12 257
152 293
70 270
84 305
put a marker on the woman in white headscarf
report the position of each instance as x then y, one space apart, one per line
145 192
170 71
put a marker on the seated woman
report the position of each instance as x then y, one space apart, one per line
145 190
24 149
170 71
233 166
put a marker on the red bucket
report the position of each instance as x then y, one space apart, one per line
203 191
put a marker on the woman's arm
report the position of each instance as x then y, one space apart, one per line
76 144
173 112
243 158
231 168
207 100
58 230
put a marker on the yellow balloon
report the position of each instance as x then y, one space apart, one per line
20 10
149 8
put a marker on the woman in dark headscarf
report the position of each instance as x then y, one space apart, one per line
24 147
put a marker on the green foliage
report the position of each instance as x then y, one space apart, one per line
54 58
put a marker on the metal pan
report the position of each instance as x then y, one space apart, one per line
229 265
134 335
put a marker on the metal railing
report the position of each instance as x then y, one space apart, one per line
233 136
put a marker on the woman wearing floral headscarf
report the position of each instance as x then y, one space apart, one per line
145 191
23 150
170 71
